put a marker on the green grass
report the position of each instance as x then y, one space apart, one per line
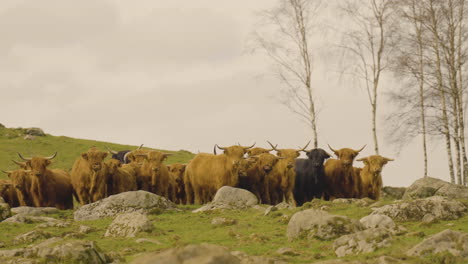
69 149
253 234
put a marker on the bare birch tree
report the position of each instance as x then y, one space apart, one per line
367 43
285 35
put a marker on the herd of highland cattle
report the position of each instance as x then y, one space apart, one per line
272 178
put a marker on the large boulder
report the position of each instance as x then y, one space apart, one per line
34 211
127 202
428 186
395 193
35 131
365 241
455 243
27 219
31 236
230 198
313 223
129 225
378 221
439 207
4 210
200 254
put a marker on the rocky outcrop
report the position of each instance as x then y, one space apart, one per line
378 221
455 243
360 202
230 198
313 223
427 187
223 221
394 193
127 202
27 219
129 225
441 208
35 131
365 241
34 211
29 237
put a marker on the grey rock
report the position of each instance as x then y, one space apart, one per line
22 219
29 237
313 223
4 210
35 131
127 202
12 252
428 186
285 251
456 243
29 137
222 221
429 218
200 254
284 205
83 229
270 209
360 202
34 211
148 240
394 193
19 261
378 220
442 209
230 198
365 241
58 250
129 225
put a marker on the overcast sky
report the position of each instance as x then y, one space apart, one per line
173 75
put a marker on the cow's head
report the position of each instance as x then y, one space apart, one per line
266 161
257 151
346 155
38 165
95 158
375 163
134 156
317 156
18 178
113 165
236 152
155 159
4 186
177 170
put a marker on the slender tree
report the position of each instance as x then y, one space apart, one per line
285 35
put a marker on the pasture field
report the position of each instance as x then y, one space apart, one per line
253 233
69 149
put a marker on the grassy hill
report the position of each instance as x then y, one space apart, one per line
69 149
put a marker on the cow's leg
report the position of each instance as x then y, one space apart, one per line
197 195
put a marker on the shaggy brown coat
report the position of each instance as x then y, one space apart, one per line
8 193
341 180
118 179
89 176
176 176
371 178
154 169
21 181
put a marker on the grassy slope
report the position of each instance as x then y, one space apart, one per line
69 149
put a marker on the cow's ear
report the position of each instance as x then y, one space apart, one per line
84 156
168 167
104 155
48 162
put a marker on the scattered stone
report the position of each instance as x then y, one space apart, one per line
129 225
393 193
284 205
148 240
270 209
365 241
19 261
127 202
426 187
378 221
11 253
312 223
58 223
73 235
429 219
230 198
285 251
260 208
57 250
200 254
4 210
284 219
360 202
260 260
34 211
26 219
35 131
222 221
29 137
456 243
85 229
115 257
258 238
442 209
29 237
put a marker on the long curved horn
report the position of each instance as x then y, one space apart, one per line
7 172
303 149
19 163
23 158
361 149
214 150
111 151
222 148
387 159
125 157
250 146
274 147
140 147
332 148
53 156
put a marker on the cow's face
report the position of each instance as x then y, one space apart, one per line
177 170
242 166
18 178
288 153
137 156
113 165
95 158
375 163
4 187
235 151
266 162
317 156
346 155
38 165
